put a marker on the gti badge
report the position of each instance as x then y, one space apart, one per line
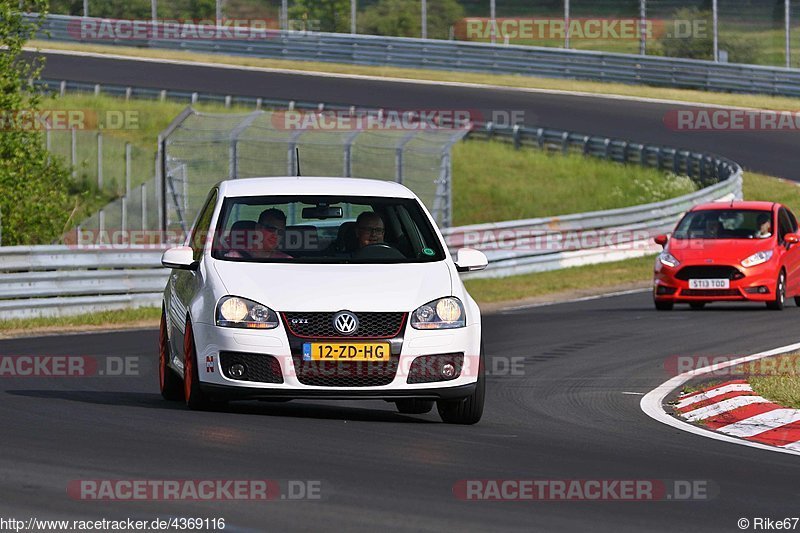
299 321
345 322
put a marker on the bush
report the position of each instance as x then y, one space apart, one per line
741 49
403 18
34 189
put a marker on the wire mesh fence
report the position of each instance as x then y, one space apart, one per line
201 149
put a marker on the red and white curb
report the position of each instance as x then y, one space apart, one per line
731 411
734 409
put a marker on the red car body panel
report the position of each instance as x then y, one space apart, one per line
720 256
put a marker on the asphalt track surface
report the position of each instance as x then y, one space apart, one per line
572 412
566 415
774 153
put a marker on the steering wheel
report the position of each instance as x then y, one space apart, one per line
378 251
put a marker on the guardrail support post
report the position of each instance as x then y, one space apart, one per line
565 143
516 136
99 161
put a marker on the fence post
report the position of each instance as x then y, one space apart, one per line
127 187
144 206
74 153
99 161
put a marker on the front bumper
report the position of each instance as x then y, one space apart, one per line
757 285
212 341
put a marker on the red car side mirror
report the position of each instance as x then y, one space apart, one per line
791 238
662 239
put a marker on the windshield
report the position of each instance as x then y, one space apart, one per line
725 224
325 229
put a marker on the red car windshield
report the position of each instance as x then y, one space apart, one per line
725 224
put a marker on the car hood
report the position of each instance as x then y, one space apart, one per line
730 251
314 287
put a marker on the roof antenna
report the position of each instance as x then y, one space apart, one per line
297 159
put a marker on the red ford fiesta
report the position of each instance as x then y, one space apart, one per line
729 251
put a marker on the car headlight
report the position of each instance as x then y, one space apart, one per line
668 259
235 312
444 313
757 258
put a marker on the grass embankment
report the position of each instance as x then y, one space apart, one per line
783 385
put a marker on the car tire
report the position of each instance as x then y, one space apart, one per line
170 383
780 293
414 406
195 399
664 306
697 305
468 410
797 301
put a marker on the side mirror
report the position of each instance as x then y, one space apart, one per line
661 239
791 238
470 260
181 257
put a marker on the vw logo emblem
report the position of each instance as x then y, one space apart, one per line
345 322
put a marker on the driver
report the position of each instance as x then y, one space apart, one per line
369 229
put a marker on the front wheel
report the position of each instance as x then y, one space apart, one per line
470 409
780 293
169 383
191 379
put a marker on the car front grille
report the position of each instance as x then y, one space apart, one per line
709 272
346 373
710 292
384 325
257 367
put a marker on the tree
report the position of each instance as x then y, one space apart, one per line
34 188
403 18
321 15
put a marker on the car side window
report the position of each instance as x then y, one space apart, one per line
201 227
784 224
792 221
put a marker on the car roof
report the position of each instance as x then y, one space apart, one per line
759 206
279 186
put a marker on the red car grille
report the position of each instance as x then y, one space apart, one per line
710 292
708 272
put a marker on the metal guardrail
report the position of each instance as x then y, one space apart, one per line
50 281
467 57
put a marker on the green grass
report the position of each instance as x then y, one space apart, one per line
761 187
782 386
507 80
145 315
569 279
492 182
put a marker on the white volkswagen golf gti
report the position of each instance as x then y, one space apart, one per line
330 288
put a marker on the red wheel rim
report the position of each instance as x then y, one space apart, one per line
188 361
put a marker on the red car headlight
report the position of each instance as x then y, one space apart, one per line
757 258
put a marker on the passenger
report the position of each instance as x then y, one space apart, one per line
764 226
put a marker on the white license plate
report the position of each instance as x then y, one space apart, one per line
709 283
